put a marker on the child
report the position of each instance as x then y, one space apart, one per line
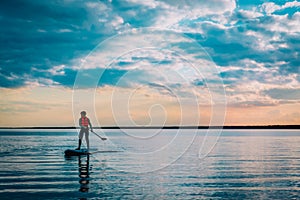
84 124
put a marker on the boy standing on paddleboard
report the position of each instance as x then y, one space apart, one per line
84 124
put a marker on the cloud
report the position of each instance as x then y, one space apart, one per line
42 35
284 94
271 7
25 106
251 42
162 89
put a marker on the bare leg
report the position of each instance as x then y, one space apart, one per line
80 139
79 144
87 139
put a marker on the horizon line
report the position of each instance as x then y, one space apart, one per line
166 127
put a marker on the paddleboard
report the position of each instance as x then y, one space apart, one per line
73 152
107 151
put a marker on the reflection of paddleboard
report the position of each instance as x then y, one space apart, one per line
72 152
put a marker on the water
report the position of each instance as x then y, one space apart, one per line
245 164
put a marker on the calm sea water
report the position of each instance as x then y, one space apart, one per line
151 164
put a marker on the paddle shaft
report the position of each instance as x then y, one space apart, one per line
102 138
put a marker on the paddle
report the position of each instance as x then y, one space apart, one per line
102 138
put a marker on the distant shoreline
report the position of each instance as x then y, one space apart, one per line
167 127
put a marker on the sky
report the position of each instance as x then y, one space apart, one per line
153 62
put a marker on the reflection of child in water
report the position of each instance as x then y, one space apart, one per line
84 174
